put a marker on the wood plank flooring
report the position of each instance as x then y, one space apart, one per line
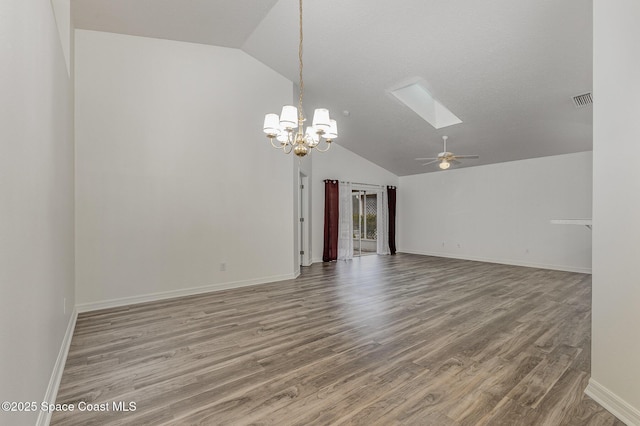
381 340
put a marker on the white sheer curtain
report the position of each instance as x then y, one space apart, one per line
383 222
345 222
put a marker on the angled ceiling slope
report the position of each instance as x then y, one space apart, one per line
508 70
225 23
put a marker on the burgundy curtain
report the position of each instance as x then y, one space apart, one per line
391 192
330 251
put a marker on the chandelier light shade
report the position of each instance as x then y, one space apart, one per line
271 123
288 129
289 117
321 120
332 133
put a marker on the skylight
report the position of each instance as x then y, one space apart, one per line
426 106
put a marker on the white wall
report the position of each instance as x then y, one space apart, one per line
62 13
341 164
501 212
36 202
174 174
615 368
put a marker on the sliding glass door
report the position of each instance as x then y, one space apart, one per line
365 220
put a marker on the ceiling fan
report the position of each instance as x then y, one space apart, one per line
445 158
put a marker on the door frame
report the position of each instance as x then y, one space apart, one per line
304 230
366 190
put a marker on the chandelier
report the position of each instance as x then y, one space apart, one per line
288 128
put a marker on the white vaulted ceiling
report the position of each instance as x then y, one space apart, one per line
225 23
508 69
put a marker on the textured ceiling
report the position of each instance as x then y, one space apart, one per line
507 68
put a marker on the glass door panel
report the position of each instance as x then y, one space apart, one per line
365 222
357 222
369 243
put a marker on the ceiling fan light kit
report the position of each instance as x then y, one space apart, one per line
445 158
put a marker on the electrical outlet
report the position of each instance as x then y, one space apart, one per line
223 266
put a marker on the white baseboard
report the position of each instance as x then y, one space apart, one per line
613 403
316 260
54 382
171 294
501 261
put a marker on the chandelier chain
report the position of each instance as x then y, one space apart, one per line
282 132
300 115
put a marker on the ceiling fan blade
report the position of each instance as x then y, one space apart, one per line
425 159
431 162
466 156
454 162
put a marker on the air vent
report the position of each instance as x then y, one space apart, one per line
582 101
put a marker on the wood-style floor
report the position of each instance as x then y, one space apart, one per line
381 340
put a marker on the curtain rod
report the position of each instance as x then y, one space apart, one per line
360 183
365 184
